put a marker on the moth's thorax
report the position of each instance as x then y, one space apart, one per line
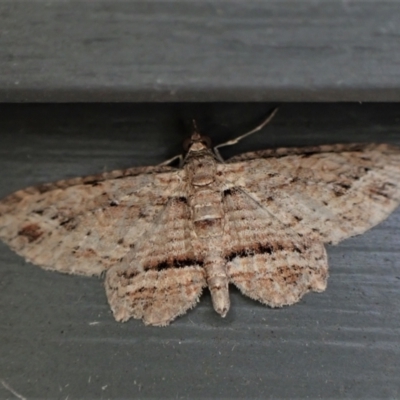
201 167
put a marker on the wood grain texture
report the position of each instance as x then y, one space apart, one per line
59 338
178 50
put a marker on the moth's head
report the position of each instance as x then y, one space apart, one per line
197 141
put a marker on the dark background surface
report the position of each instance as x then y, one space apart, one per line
198 50
58 338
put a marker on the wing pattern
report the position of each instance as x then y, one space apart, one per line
264 217
162 276
328 192
266 260
85 225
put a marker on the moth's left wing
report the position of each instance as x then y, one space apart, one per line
328 192
85 225
162 276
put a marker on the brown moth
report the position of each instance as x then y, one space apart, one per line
162 234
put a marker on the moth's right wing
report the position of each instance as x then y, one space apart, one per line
267 261
327 192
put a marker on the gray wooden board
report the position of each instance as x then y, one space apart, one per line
58 338
190 50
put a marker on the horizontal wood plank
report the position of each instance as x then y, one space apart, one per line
189 50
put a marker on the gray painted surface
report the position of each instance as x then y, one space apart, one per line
190 50
57 335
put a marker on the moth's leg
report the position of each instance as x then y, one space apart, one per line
236 140
171 160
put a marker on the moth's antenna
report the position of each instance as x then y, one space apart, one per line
195 127
256 129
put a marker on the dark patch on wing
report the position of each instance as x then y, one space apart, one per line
177 263
207 223
32 232
260 249
263 249
69 224
344 185
92 182
38 212
339 189
230 192
142 214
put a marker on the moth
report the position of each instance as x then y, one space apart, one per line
162 234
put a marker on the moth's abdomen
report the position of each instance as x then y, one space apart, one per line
207 212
